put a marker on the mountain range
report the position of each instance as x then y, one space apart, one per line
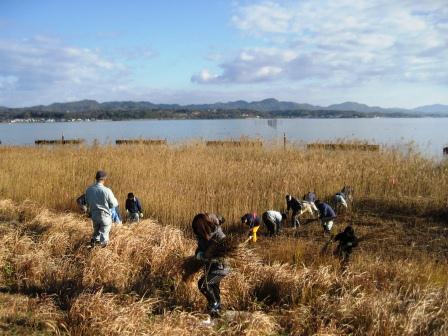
266 105
267 108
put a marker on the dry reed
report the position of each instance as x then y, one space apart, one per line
395 284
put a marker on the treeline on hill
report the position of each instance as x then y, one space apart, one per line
158 113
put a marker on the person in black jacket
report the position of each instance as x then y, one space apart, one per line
209 235
347 241
293 204
133 208
82 203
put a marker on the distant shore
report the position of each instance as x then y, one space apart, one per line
51 117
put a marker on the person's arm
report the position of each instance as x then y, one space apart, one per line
112 201
139 206
354 242
127 204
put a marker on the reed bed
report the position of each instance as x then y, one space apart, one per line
51 283
136 285
175 183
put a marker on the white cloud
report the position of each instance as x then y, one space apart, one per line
266 17
344 42
254 65
203 77
33 69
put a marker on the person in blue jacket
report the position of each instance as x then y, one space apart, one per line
326 215
253 221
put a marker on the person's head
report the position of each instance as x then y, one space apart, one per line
244 219
349 230
284 217
288 198
130 195
204 227
221 219
100 176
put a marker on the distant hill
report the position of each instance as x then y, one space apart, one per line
353 106
436 108
268 108
266 105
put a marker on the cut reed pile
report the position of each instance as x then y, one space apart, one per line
135 286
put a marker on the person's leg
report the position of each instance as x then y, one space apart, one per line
271 228
216 274
105 226
267 222
135 217
293 218
96 231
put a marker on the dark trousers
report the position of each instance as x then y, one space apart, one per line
343 252
295 219
208 284
272 227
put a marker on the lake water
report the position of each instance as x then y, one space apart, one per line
429 135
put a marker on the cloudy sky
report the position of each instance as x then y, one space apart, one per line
378 52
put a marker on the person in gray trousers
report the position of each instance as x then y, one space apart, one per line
100 201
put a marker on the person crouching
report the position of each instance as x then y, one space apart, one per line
253 221
347 241
133 208
209 234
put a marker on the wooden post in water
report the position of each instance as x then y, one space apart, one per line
284 141
445 150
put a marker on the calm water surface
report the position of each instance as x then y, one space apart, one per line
429 135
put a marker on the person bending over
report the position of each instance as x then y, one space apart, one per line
326 215
209 234
273 220
253 221
347 241
293 204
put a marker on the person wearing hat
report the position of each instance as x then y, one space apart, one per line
100 201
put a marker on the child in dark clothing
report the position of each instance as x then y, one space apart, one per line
133 208
347 241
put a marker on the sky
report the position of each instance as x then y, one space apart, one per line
378 52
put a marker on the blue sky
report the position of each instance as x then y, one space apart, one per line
378 52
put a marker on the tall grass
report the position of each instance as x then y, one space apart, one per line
396 283
174 183
135 286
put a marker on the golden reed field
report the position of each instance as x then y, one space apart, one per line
51 283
